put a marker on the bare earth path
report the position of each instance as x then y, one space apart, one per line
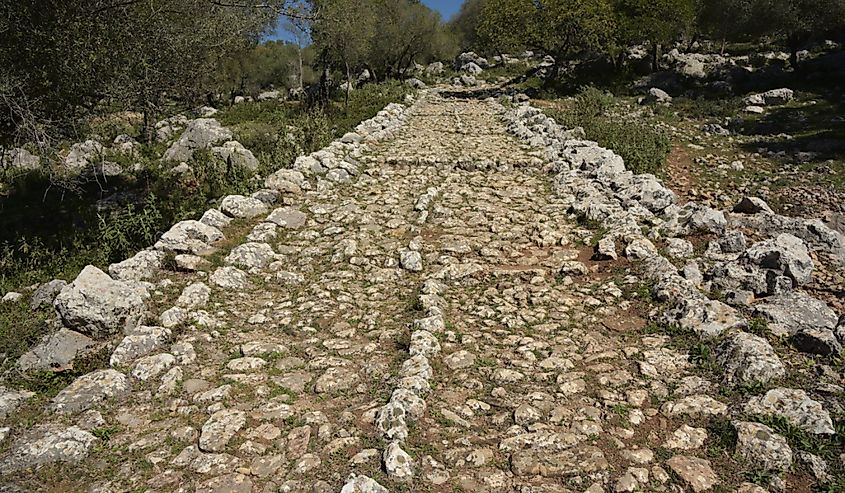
538 378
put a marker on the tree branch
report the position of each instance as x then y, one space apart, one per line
287 12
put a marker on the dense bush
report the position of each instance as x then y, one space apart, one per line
643 148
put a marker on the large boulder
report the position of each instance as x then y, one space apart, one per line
83 154
657 95
435 68
789 313
201 133
48 444
785 255
46 293
696 218
472 68
125 144
142 265
471 57
762 447
90 390
242 207
140 343
772 97
235 154
707 318
57 351
19 159
166 129
189 237
794 406
286 180
268 95
99 306
415 83
747 359
649 192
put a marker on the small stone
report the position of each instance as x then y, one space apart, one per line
762 447
686 438
246 364
287 217
194 295
152 366
336 379
306 463
459 359
242 207
298 440
362 484
220 428
605 249
230 278
694 406
752 205
228 483
398 463
11 399
626 483
251 255
411 260
526 415
694 472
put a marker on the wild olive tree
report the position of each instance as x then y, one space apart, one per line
795 21
385 37
560 28
655 23
64 57
465 24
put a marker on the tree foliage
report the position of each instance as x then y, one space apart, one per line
463 25
559 28
654 23
272 64
64 57
386 37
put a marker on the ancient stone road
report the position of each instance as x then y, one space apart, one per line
433 324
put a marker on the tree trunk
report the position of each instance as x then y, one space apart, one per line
149 122
299 51
794 42
324 91
348 84
655 61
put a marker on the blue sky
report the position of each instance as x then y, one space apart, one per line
447 9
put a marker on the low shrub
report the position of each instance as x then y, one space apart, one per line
643 148
699 108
